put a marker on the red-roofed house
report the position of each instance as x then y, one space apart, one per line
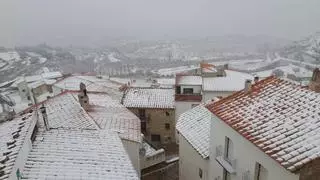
268 131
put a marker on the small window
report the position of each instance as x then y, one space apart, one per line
167 113
23 90
178 90
261 172
85 101
28 98
155 137
167 125
200 173
228 149
188 91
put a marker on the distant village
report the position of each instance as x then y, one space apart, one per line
208 122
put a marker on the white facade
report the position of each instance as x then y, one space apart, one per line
245 154
191 162
132 149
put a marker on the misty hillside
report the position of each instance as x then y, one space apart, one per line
307 49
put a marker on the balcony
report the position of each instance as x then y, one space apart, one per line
228 164
188 97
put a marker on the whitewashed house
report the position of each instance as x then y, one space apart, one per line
268 131
194 135
222 86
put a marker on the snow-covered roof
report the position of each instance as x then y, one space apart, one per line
65 111
188 80
194 126
51 75
71 83
81 143
12 136
36 84
279 117
92 83
110 115
74 154
33 78
233 81
149 98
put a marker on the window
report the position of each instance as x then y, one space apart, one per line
187 90
228 149
167 113
200 173
23 90
155 137
261 172
178 90
167 125
142 114
28 98
226 175
85 101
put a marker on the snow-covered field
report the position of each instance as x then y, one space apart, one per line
9 56
289 69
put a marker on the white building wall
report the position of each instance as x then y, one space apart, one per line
196 89
246 154
56 90
132 149
181 107
209 95
190 161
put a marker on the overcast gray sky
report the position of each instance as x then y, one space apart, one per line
36 21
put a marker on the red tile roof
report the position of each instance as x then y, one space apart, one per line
187 97
279 117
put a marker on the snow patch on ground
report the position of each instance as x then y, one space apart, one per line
10 56
289 69
112 58
42 60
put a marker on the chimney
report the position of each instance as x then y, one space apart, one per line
256 79
45 117
83 97
314 84
247 85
